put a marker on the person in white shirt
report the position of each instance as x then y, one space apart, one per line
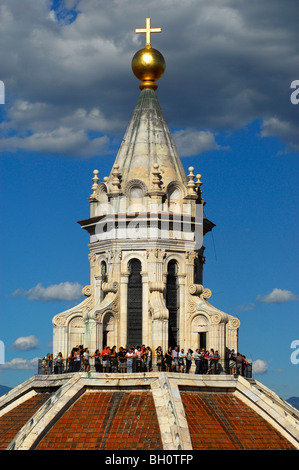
86 365
77 360
130 356
175 354
181 360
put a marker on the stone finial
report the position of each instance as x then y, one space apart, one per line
95 180
198 181
191 184
116 179
156 177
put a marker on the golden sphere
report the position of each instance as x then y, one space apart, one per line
148 65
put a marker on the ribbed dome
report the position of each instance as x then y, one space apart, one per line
145 411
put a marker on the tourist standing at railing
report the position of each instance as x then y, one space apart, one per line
159 355
86 364
105 358
77 360
148 359
121 357
45 368
244 364
215 366
232 362
181 360
197 360
58 364
211 361
188 360
139 358
97 360
206 359
47 364
168 359
239 363
202 361
130 355
113 359
175 362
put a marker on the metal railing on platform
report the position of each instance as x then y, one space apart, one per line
47 367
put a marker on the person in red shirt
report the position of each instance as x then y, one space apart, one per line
105 358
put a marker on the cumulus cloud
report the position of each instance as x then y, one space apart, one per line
69 76
191 142
259 366
287 131
25 343
55 292
20 364
63 141
277 296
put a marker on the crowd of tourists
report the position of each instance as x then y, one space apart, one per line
140 359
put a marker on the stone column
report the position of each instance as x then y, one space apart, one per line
232 333
60 339
159 312
146 331
122 330
183 334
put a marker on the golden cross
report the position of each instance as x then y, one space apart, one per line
148 30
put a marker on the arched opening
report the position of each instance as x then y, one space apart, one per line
199 332
103 202
175 198
76 332
172 302
134 305
108 330
136 202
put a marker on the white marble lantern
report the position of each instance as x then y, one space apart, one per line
146 229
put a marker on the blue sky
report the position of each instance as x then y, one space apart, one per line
69 94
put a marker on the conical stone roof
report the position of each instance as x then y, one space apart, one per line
148 141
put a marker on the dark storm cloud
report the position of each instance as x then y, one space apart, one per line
229 62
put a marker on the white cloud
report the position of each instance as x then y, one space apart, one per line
42 129
20 364
191 142
245 307
287 131
61 141
62 291
259 366
226 68
277 296
25 343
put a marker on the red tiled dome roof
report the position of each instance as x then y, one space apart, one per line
107 421
145 412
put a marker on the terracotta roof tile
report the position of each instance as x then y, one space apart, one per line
107 420
14 420
221 421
